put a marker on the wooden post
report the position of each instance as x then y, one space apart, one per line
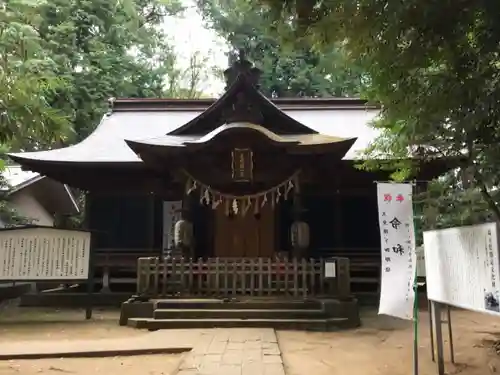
450 334
343 278
105 280
151 224
298 252
188 202
437 321
339 241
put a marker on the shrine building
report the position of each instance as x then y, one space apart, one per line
244 177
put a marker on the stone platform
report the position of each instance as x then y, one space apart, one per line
318 315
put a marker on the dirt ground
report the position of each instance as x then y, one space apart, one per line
381 346
385 346
143 365
22 324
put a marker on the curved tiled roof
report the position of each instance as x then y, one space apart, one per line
107 143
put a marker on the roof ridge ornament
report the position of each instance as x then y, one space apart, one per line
241 54
241 66
111 104
242 109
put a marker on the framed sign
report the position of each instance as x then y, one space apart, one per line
35 253
462 267
44 254
242 164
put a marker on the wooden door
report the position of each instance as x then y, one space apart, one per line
245 236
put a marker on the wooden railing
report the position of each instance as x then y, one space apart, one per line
228 277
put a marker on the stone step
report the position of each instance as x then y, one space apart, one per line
220 304
238 313
296 324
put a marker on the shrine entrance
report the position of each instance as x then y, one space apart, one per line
244 236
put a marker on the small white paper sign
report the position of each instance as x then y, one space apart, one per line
330 269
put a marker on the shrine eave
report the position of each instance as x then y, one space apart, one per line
293 144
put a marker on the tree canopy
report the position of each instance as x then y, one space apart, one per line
434 67
61 60
28 79
106 49
296 70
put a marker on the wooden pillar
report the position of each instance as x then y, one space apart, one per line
188 202
151 221
92 261
297 251
339 241
105 280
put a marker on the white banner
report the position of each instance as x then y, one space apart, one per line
462 266
171 214
397 235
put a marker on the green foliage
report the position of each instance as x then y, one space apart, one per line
8 215
185 81
61 60
297 71
28 79
104 49
435 68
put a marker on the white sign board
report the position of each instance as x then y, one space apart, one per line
44 254
462 266
330 271
397 236
171 214
420 261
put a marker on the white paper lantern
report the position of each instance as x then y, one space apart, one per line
183 233
299 234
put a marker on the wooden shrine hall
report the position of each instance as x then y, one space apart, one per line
263 192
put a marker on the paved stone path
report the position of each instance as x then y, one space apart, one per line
234 352
228 351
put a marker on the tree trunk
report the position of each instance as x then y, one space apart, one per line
487 196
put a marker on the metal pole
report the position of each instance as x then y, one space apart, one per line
436 317
431 330
450 335
415 327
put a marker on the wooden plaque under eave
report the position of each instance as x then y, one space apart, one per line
242 164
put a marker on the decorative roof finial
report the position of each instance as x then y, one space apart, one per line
111 103
242 55
242 67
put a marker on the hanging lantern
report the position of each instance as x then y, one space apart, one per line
299 234
183 233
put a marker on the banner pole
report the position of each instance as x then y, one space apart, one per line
415 292
415 327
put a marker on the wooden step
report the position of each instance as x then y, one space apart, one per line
298 324
250 304
237 313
